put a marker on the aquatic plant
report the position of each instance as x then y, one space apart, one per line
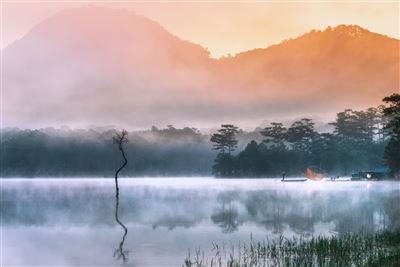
380 249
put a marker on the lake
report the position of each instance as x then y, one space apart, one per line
72 222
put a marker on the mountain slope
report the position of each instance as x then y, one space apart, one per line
96 65
349 63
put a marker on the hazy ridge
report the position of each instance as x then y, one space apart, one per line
104 66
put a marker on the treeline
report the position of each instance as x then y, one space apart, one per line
361 140
67 152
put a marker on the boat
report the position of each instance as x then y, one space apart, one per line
344 179
374 174
294 180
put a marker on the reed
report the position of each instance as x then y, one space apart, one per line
380 249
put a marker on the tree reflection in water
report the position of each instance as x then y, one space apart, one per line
120 253
347 207
226 216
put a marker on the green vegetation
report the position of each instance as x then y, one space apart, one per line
225 142
361 140
381 249
357 143
69 152
392 151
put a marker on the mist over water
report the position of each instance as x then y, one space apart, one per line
70 222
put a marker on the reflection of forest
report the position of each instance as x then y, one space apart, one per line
277 211
349 213
226 215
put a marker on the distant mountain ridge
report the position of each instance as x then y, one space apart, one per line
96 65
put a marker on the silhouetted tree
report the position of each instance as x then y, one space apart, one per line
382 121
252 161
392 112
91 153
392 150
360 126
173 151
120 139
275 135
344 124
300 134
324 152
354 145
225 142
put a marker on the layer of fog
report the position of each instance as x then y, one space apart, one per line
175 203
71 221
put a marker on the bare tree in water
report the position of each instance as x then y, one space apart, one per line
120 139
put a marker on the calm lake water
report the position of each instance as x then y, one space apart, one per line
71 222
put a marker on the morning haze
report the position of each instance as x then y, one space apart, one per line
130 137
101 66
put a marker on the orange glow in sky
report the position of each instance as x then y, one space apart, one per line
226 28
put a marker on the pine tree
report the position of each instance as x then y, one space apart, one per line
392 150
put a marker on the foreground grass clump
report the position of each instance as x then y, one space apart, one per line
381 249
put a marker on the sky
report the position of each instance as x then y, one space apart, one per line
224 28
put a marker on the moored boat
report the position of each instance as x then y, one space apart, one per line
294 180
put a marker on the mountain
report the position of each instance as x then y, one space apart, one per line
341 66
96 65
